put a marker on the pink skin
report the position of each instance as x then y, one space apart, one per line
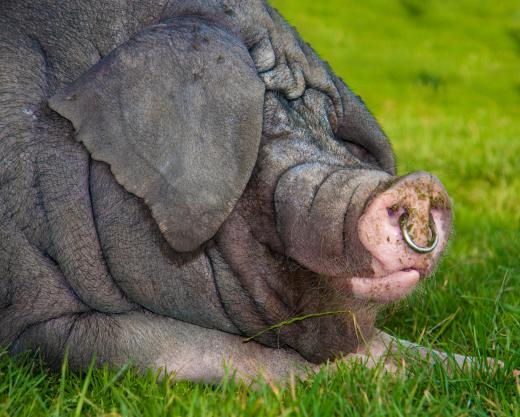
386 289
397 268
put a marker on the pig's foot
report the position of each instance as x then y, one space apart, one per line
394 354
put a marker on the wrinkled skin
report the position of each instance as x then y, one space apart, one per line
177 176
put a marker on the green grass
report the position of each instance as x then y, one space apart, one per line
443 78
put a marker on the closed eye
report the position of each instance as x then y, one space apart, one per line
360 152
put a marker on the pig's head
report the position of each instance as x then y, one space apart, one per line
247 148
325 224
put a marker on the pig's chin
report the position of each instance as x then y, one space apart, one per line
386 288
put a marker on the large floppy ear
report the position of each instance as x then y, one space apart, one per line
176 112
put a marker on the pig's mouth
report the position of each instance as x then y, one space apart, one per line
387 288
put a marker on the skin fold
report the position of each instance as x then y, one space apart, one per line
177 176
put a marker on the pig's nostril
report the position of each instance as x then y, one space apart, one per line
432 241
394 210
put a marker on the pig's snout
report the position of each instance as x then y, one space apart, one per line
349 224
405 228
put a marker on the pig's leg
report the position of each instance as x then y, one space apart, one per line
391 351
151 341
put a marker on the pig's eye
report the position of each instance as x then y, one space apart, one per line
360 152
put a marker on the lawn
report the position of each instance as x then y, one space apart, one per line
443 78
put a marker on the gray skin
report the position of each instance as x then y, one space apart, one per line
176 176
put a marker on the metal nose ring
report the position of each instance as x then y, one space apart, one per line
432 243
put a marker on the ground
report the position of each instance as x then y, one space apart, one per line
443 78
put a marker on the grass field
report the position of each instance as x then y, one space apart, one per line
443 78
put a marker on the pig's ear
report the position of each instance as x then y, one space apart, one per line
177 114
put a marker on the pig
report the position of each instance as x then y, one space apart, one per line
178 178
